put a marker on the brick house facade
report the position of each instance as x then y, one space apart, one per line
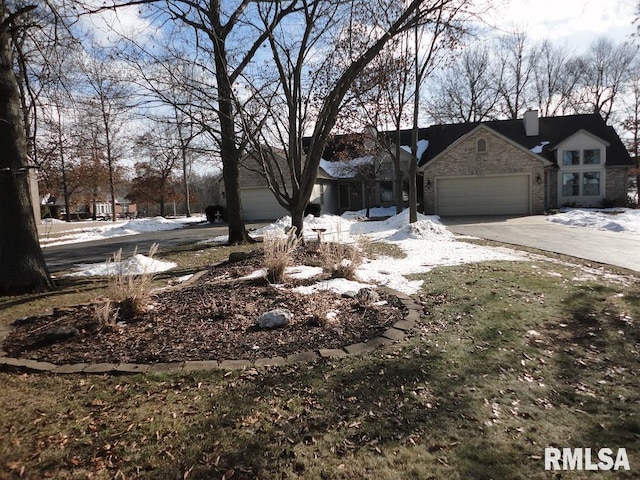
524 166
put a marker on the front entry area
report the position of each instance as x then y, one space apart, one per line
483 195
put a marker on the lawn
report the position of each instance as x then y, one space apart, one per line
509 358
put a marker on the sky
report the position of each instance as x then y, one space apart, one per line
572 22
426 243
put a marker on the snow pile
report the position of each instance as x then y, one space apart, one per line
610 219
136 265
335 285
49 221
424 230
427 244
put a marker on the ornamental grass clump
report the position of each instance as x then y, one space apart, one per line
341 260
128 292
279 250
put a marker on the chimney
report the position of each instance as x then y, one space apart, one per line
530 120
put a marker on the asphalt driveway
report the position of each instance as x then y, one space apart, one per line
611 248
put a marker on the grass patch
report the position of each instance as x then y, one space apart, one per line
509 358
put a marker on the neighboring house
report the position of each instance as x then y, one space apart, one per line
521 167
259 201
104 209
343 182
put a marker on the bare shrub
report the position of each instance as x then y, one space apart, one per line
127 293
278 253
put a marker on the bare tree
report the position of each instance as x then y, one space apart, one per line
381 96
175 84
601 75
515 74
361 33
553 81
631 118
160 158
225 41
22 265
466 91
106 106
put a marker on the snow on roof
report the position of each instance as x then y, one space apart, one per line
344 168
422 147
538 148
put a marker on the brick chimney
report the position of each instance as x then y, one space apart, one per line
531 126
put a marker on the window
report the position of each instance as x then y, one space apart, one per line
581 157
386 191
570 184
592 157
481 145
591 183
581 175
571 157
573 183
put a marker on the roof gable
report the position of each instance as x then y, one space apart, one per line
486 127
581 132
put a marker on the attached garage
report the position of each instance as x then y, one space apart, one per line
260 204
483 195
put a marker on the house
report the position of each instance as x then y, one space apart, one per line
103 209
502 167
258 200
354 173
524 166
361 172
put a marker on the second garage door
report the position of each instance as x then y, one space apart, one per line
260 204
486 195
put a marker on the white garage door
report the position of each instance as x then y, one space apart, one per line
260 204
486 195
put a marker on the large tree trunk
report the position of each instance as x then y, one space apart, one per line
22 265
228 149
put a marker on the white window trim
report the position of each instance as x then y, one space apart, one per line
586 200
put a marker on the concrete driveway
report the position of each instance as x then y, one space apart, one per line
611 248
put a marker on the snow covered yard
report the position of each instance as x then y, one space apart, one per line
426 244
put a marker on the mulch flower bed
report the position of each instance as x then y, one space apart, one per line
213 318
